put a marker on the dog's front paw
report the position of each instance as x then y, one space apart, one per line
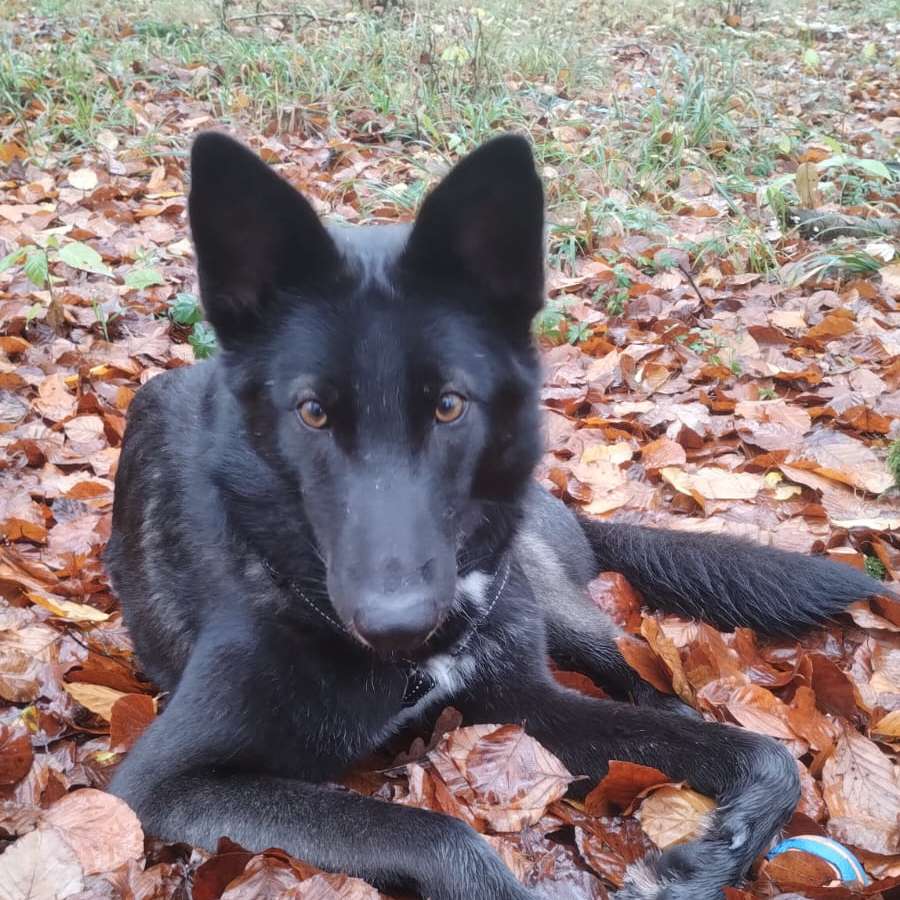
642 882
695 871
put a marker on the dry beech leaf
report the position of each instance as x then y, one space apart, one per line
760 710
84 429
832 686
772 424
129 717
674 815
788 318
713 483
611 453
662 453
67 609
506 777
808 722
101 829
515 860
862 614
40 866
336 887
578 682
268 875
842 458
832 326
610 845
109 671
54 400
668 653
15 754
212 877
618 599
97 698
618 789
264 876
640 656
26 657
811 803
888 727
83 179
796 868
861 787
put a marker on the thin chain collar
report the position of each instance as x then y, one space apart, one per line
419 681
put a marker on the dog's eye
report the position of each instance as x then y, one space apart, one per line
449 407
312 414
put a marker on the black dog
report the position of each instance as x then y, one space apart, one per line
331 530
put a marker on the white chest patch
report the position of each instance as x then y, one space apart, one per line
450 674
474 587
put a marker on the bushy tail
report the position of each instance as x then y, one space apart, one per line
728 582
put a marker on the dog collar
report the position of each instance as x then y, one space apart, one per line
419 681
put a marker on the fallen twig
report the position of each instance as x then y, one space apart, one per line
690 278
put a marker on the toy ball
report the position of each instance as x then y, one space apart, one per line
847 868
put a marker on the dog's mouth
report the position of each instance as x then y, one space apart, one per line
417 652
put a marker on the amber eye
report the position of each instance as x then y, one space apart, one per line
312 414
449 407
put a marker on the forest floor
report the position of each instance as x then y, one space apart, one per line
722 353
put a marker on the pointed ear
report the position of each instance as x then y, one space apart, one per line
484 227
254 235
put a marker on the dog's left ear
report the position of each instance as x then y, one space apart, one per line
483 227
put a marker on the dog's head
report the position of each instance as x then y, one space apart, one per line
386 372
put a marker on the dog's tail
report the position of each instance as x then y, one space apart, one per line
728 582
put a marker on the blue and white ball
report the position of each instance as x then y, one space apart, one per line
847 868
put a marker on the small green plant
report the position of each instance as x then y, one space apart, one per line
184 309
550 320
33 261
893 461
875 568
767 393
576 332
555 324
664 261
567 243
203 339
614 294
105 317
616 303
140 279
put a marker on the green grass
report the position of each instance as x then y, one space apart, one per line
622 99
875 568
893 461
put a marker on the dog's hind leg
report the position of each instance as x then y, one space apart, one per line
582 638
558 562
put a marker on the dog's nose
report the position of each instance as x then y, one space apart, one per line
395 623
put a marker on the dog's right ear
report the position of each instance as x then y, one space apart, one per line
254 236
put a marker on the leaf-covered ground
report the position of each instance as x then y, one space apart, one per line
713 363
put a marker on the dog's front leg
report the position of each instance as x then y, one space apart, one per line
753 778
391 846
226 758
